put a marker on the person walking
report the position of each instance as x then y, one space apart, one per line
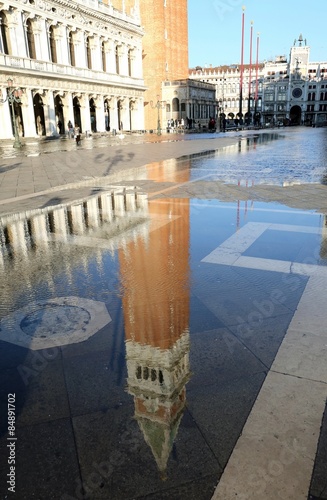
59 123
70 130
77 134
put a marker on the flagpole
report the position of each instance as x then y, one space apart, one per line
242 67
250 76
256 79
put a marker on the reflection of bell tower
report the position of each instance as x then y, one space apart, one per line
155 277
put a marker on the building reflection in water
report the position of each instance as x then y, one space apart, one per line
155 279
48 252
39 246
153 240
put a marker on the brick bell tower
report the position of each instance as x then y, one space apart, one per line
165 46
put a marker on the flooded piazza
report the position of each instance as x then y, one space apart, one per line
163 334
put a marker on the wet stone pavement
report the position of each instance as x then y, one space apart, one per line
162 330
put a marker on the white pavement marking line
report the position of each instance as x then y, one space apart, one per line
275 453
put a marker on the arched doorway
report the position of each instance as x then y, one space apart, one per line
39 114
175 107
257 119
295 115
18 119
248 118
106 115
93 115
77 113
59 115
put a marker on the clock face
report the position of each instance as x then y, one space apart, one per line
297 93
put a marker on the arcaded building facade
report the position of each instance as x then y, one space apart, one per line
78 61
289 90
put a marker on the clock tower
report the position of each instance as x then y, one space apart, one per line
299 57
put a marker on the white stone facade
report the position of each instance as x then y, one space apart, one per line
78 61
187 100
227 82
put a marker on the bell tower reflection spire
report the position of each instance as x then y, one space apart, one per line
155 275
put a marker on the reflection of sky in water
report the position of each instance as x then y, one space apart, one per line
81 268
215 221
297 156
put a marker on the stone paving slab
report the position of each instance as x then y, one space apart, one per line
62 168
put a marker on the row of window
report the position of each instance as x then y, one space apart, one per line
5 47
282 97
152 374
273 73
312 96
322 107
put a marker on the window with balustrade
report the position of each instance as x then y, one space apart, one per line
88 53
129 56
103 57
30 39
52 43
117 59
71 49
4 35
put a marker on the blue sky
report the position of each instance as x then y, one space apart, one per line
215 29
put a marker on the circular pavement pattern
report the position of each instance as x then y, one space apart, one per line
54 322
50 319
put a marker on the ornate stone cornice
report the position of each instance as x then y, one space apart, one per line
41 85
78 15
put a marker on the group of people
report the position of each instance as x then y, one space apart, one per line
175 124
190 124
74 132
181 124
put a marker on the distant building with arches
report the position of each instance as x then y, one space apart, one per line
78 61
188 102
286 91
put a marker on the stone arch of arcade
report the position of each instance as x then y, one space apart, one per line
132 110
106 105
119 114
17 115
59 112
77 113
295 115
39 114
93 115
